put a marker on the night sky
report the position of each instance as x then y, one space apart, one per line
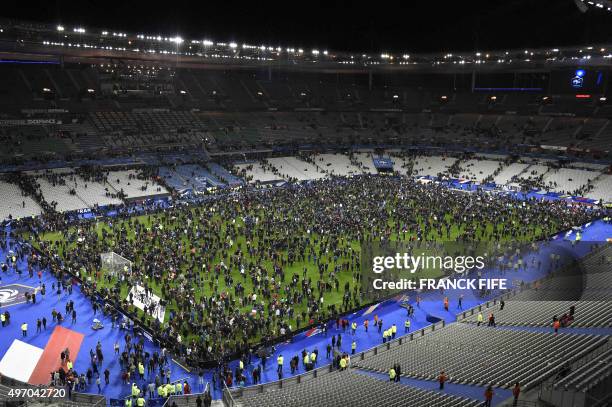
417 26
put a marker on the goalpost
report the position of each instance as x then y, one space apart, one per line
115 264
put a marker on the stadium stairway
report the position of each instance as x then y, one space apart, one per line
461 390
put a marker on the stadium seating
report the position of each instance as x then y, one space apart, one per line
432 166
129 183
602 188
336 164
14 203
365 163
224 175
506 175
568 180
589 374
478 170
353 389
483 355
84 194
294 168
540 313
256 172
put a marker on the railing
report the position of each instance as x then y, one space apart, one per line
185 399
77 399
229 395
227 398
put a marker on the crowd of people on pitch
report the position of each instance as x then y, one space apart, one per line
251 267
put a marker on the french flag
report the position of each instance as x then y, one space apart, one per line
33 365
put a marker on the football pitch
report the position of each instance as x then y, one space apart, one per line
252 247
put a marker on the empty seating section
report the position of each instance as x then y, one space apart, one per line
14 203
534 171
172 179
483 355
478 170
402 165
432 165
506 175
568 180
132 186
561 131
349 388
365 162
540 313
68 191
59 195
256 172
590 374
294 168
602 188
224 175
336 164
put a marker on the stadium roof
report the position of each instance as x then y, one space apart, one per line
61 40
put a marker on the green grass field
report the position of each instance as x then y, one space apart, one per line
65 243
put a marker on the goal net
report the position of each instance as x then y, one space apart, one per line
115 264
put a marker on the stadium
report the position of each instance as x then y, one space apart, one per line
191 221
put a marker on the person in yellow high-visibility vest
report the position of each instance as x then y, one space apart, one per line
392 374
69 365
313 358
353 347
179 388
385 333
407 326
141 370
160 391
343 363
128 402
140 402
135 390
279 362
24 329
393 331
354 327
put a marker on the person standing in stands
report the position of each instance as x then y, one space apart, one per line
279 362
392 375
516 391
207 399
488 394
442 378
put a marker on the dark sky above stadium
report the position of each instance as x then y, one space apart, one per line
373 26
